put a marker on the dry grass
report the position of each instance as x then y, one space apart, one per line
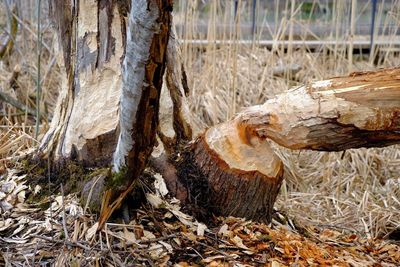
16 127
15 141
359 191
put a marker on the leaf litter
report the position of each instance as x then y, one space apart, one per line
162 235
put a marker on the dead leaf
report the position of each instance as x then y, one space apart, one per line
154 200
128 236
275 263
156 251
224 230
91 231
5 224
37 189
167 246
201 227
147 235
159 185
239 242
213 258
184 218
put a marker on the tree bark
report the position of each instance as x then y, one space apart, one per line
107 108
361 110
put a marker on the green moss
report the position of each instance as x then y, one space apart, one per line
72 175
117 179
44 205
76 175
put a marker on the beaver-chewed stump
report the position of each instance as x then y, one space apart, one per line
231 190
228 174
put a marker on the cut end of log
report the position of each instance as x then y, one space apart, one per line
232 176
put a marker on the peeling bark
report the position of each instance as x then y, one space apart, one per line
175 117
178 89
143 70
112 75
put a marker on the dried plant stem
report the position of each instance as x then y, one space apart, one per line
352 32
38 83
64 223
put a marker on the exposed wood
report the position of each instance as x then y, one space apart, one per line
175 116
178 89
112 76
92 40
240 180
107 108
143 70
361 110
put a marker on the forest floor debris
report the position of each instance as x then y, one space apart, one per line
57 232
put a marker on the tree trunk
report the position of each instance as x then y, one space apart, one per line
92 39
143 70
361 110
108 114
107 108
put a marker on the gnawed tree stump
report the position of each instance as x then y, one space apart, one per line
236 178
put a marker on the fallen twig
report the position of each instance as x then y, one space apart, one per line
158 239
63 214
66 242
